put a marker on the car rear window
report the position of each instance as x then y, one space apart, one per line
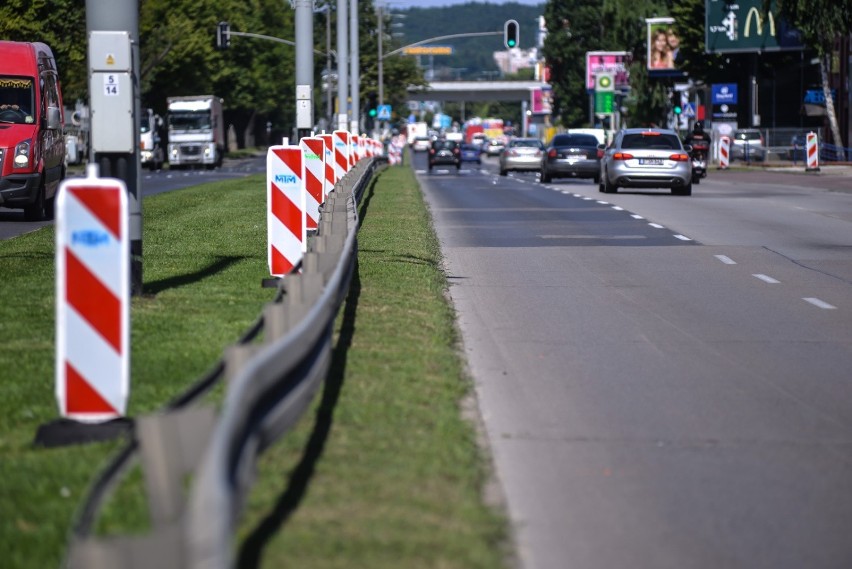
575 140
527 143
441 144
655 142
747 135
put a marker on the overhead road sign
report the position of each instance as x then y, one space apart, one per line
428 50
743 26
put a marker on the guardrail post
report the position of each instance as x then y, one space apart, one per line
170 448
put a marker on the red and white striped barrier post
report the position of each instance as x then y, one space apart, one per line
724 152
313 150
330 177
367 146
341 153
285 208
92 298
353 150
812 152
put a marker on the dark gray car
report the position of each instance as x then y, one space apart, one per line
572 156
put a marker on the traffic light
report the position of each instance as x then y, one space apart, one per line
511 34
223 35
677 109
373 112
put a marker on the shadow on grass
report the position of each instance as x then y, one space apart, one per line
252 548
365 200
221 263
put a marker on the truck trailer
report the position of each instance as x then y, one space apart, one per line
196 131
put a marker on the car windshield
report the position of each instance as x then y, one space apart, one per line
574 140
641 141
16 100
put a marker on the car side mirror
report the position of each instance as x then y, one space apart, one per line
53 119
601 146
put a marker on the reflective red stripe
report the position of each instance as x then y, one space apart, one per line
95 303
104 205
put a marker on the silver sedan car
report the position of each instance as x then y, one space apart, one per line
521 154
646 158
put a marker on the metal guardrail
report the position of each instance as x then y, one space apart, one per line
270 385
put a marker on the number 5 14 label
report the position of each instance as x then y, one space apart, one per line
110 85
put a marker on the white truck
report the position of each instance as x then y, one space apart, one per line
152 154
196 131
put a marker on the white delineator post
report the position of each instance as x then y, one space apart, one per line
285 208
313 150
92 298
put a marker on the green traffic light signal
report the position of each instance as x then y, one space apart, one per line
373 113
677 110
511 33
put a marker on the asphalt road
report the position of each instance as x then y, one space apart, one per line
665 382
12 222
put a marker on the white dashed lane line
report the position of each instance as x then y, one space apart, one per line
725 259
766 279
820 303
656 226
682 237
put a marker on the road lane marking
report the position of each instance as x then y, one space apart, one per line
603 203
656 225
766 279
616 208
725 259
634 216
820 303
682 237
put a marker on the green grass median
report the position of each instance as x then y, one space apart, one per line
382 471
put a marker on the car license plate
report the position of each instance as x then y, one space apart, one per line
651 161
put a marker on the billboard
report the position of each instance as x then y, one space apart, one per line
663 55
744 26
540 103
615 62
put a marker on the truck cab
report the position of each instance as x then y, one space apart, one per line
32 141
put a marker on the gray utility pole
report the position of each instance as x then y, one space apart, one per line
342 62
304 67
354 54
112 28
381 18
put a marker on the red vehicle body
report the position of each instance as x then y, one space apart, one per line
32 143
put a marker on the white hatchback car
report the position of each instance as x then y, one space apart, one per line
646 158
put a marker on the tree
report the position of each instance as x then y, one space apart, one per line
821 22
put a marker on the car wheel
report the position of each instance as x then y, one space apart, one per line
503 172
35 211
597 179
545 178
684 191
608 187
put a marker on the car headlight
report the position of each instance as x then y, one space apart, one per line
22 155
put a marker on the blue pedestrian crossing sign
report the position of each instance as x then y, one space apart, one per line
689 110
384 113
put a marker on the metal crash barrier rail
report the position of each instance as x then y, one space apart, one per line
270 384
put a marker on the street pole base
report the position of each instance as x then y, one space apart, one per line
270 282
66 432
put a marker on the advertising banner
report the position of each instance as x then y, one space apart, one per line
615 62
723 97
663 55
541 101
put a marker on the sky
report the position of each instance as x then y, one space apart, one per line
439 3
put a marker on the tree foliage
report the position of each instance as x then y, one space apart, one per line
178 55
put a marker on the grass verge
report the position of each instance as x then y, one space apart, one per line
382 472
